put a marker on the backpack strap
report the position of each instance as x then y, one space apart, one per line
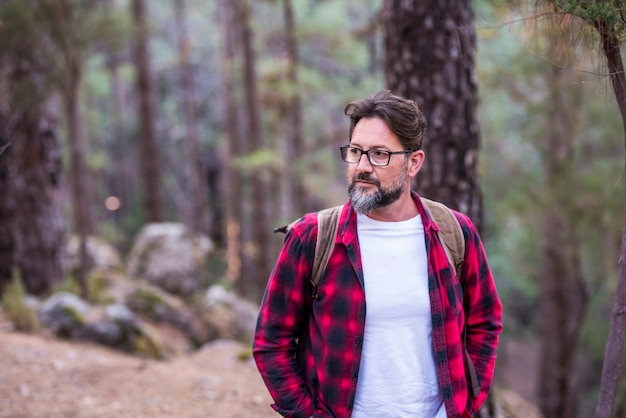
327 224
450 233
451 237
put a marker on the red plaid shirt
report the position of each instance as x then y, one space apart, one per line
308 351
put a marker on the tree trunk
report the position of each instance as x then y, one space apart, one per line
563 292
429 57
198 216
83 223
255 276
294 145
7 207
37 225
232 180
612 367
150 155
32 228
71 80
118 174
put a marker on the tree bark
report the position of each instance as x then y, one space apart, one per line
150 155
37 224
232 179
198 216
83 222
255 276
63 13
32 227
429 57
294 145
613 355
119 172
7 207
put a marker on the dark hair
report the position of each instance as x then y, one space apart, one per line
403 117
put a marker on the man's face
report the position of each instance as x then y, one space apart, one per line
372 187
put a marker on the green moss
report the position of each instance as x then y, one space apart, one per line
148 345
146 299
69 285
97 289
76 316
15 307
245 355
144 258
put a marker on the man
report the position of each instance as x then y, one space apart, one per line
386 333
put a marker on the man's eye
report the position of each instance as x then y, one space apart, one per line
354 151
379 154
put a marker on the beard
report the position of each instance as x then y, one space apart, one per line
365 202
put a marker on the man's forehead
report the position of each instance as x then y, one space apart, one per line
373 132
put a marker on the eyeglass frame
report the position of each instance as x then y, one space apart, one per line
344 154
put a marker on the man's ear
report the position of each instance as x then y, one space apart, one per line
416 160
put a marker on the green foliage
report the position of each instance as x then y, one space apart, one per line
15 307
69 285
21 43
612 12
513 122
216 268
47 32
255 161
98 288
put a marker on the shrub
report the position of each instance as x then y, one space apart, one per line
15 306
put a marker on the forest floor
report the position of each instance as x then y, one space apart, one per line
43 377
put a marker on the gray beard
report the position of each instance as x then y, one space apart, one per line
364 202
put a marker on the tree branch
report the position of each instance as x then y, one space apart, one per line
4 147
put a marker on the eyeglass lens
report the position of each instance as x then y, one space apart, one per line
375 157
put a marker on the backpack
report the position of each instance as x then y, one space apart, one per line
450 234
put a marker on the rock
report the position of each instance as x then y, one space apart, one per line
116 326
509 404
102 332
228 316
164 308
168 255
120 314
101 254
63 313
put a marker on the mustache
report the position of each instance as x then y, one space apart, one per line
365 177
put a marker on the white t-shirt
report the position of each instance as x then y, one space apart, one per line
397 377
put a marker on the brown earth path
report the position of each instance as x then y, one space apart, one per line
43 377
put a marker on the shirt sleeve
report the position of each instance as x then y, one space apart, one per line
483 310
281 322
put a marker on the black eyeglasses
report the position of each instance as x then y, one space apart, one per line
376 157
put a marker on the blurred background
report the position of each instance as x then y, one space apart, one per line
225 116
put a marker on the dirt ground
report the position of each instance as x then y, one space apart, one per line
43 377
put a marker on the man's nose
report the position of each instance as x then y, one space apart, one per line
364 163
